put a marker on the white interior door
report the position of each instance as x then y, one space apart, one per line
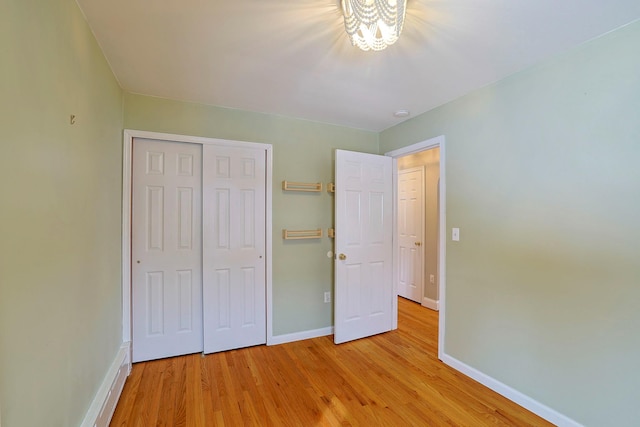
410 233
234 293
166 249
363 244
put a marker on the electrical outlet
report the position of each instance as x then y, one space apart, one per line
432 278
327 297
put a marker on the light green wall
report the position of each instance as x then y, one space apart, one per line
543 179
303 151
60 186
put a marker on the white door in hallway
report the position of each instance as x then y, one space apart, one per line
166 249
363 245
410 233
234 248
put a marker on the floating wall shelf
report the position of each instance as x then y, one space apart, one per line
302 186
301 234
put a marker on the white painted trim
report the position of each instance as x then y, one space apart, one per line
126 236
129 135
299 336
269 240
394 240
438 141
442 253
104 403
512 394
433 304
193 139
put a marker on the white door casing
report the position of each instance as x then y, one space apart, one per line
438 141
363 244
410 233
166 249
234 291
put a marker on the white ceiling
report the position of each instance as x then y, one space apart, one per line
293 58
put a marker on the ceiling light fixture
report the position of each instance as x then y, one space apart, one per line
373 24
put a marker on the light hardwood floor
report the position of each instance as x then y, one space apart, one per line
393 379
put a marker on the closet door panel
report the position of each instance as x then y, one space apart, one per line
234 291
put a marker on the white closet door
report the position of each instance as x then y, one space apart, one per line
234 292
166 249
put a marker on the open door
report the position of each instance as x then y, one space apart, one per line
363 245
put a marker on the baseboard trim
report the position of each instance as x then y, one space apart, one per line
431 303
299 336
104 403
521 399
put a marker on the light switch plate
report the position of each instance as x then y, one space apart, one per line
455 234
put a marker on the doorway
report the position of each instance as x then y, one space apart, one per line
440 275
411 226
418 189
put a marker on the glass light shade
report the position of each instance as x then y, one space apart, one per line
373 24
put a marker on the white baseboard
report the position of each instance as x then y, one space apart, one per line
514 395
299 336
104 403
433 304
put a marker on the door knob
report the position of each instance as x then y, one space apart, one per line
342 257
418 243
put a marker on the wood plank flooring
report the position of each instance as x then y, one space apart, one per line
393 379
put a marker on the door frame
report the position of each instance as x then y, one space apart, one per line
437 142
127 165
